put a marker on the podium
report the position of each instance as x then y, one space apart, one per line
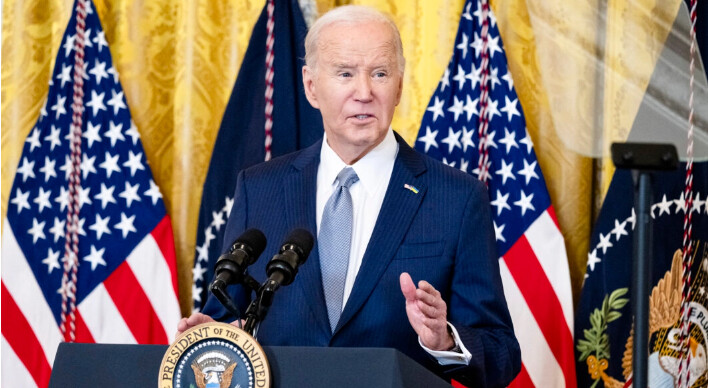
107 365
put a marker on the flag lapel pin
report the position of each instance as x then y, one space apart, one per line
411 188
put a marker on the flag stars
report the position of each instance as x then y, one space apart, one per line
218 220
475 76
460 77
229 203
467 138
59 107
87 165
680 203
208 236
697 204
499 232
619 230
84 196
57 229
96 104
445 82
100 40
493 46
154 192
593 259
115 133
133 132
105 196
477 45
95 257
203 252
112 71
26 169
65 75
509 80
457 108
91 134
126 224
130 193
198 272
99 71
100 226
529 171
21 200
525 203
463 45
53 138
437 108
69 44
63 198
464 165
510 108
42 199
134 162
501 202
509 140
604 242
429 138
37 230
48 169
66 167
196 293
527 141
494 77
33 139
450 163
110 164
52 260
452 140
116 102
470 107
505 171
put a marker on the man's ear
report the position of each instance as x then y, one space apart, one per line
308 82
400 90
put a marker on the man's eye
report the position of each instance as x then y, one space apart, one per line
345 74
380 74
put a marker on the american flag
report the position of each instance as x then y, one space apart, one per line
533 262
126 284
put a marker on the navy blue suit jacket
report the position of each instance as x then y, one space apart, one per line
443 234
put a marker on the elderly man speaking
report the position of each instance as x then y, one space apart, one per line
384 215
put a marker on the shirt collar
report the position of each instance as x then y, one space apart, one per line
368 168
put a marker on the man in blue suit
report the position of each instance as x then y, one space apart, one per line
384 215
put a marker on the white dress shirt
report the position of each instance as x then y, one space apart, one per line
374 172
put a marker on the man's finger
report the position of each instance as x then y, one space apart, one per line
407 287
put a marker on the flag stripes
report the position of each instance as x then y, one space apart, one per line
103 318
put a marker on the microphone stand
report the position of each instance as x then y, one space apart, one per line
223 297
259 306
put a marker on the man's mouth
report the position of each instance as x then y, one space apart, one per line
363 116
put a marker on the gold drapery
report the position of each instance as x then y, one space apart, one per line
178 61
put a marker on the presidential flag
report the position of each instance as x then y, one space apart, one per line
604 319
98 265
475 123
267 114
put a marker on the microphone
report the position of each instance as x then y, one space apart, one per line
243 252
282 268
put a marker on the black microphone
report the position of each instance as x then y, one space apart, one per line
231 266
282 268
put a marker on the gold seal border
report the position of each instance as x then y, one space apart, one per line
210 331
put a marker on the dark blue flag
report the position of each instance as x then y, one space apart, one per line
241 139
604 318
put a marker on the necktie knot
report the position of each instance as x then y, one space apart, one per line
347 177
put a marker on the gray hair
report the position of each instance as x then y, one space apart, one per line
350 14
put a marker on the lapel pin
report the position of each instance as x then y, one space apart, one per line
411 188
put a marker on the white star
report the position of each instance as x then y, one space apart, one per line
437 108
130 193
99 71
501 202
467 138
112 71
445 80
697 203
198 272
37 230
488 141
26 169
82 232
593 259
106 195
680 204
63 198
117 102
202 253
43 111
133 132
21 200
126 224
48 169
96 102
110 164
218 220
100 39
115 133
450 163
134 162
57 229
505 171
42 199
494 77
66 167
84 196
229 203
510 108
100 226
452 140
87 36
509 140
69 45
196 292
460 77
529 171
525 203
463 45
456 108
476 45
429 138
632 219
53 138
52 260
509 81
59 106
96 257
33 139
91 134
65 75
604 242
499 232
208 236
492 109
154 192
466 14
87 165
471 107
475 76
493 46
527 142
664 206
619 230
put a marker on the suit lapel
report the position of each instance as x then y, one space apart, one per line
300 192
397 211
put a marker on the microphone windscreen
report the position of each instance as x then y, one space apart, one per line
301 238
253 238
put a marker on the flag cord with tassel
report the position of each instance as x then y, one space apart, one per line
483 164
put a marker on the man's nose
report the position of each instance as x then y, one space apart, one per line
363 89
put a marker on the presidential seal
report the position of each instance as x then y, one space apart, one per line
214 355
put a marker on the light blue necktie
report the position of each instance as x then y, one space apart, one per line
334 243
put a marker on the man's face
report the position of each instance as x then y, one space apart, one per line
356 85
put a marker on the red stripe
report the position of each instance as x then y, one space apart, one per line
19 335
165 241
523 380
543 303
134 306
552 213
457 384
83 334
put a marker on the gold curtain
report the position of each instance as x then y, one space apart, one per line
178 62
